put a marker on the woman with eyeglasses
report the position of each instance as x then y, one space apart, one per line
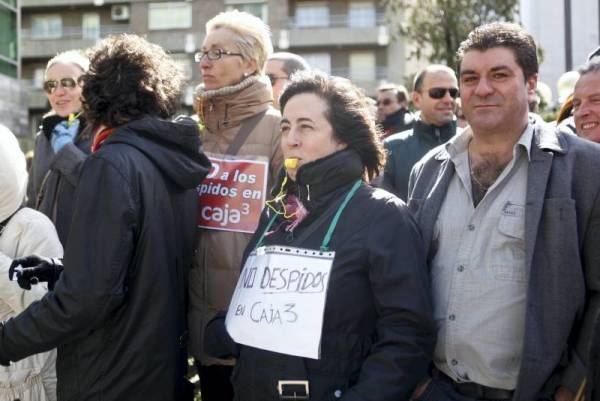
62 144
240 133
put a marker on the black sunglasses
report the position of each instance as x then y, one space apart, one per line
438 93
384 102
274 78
52 84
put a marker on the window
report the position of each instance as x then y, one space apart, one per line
361 13
38 78
319 61
312 14
91 26
46 26
169 16
184 62
362 66
8 33
257 7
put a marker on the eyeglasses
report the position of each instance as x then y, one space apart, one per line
52 84
214 54
383 102
274 78
438 93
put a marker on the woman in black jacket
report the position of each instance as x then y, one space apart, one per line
377 333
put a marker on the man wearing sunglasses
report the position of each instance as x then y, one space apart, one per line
392 113
280 66
435 92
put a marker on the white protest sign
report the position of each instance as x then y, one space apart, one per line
279 300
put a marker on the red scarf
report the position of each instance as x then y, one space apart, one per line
101 137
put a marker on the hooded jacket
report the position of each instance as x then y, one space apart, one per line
54 176
117 312
23 232
378 332
406 148
217 262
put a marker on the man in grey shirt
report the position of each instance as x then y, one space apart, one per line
510 213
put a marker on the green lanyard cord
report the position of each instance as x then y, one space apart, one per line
331 229
332 225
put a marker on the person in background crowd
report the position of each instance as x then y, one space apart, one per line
280 66
510 214
377 333
62 144
460 117
392 113
117 312
586 101
234 104
23 231
434 95
564 117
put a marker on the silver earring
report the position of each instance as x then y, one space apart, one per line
245 74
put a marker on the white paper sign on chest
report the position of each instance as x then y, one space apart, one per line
279 300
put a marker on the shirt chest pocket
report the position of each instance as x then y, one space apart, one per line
508 246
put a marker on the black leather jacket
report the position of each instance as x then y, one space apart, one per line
406 148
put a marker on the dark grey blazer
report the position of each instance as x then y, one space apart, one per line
562 237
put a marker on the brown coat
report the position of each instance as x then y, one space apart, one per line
217 261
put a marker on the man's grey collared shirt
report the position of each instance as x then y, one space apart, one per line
478 272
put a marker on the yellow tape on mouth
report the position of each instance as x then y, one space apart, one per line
291 163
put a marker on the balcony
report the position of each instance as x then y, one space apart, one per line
339 30
70 38
63 3
366 79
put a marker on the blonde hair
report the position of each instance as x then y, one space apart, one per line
253 36
74 57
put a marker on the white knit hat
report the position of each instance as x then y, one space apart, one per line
13 174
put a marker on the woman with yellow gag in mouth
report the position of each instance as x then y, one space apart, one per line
367 332
62 144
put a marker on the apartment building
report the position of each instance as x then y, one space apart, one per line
13 105
342 37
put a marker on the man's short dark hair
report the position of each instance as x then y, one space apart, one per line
290 62
507 35
129 78
420 77
398 90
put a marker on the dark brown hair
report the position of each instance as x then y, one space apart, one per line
507 35
129 78
348 113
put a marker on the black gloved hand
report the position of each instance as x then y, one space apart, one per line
34 269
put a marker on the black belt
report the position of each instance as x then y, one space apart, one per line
293 389
474 390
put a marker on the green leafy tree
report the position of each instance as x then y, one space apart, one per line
438 26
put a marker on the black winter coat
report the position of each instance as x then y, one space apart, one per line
378 334
117 313
406 148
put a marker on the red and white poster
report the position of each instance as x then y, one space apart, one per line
233 194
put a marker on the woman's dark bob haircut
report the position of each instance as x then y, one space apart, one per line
348 113
129 78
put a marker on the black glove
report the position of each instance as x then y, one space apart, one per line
34 269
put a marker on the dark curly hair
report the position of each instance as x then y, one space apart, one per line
348 113
129 78
503 34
